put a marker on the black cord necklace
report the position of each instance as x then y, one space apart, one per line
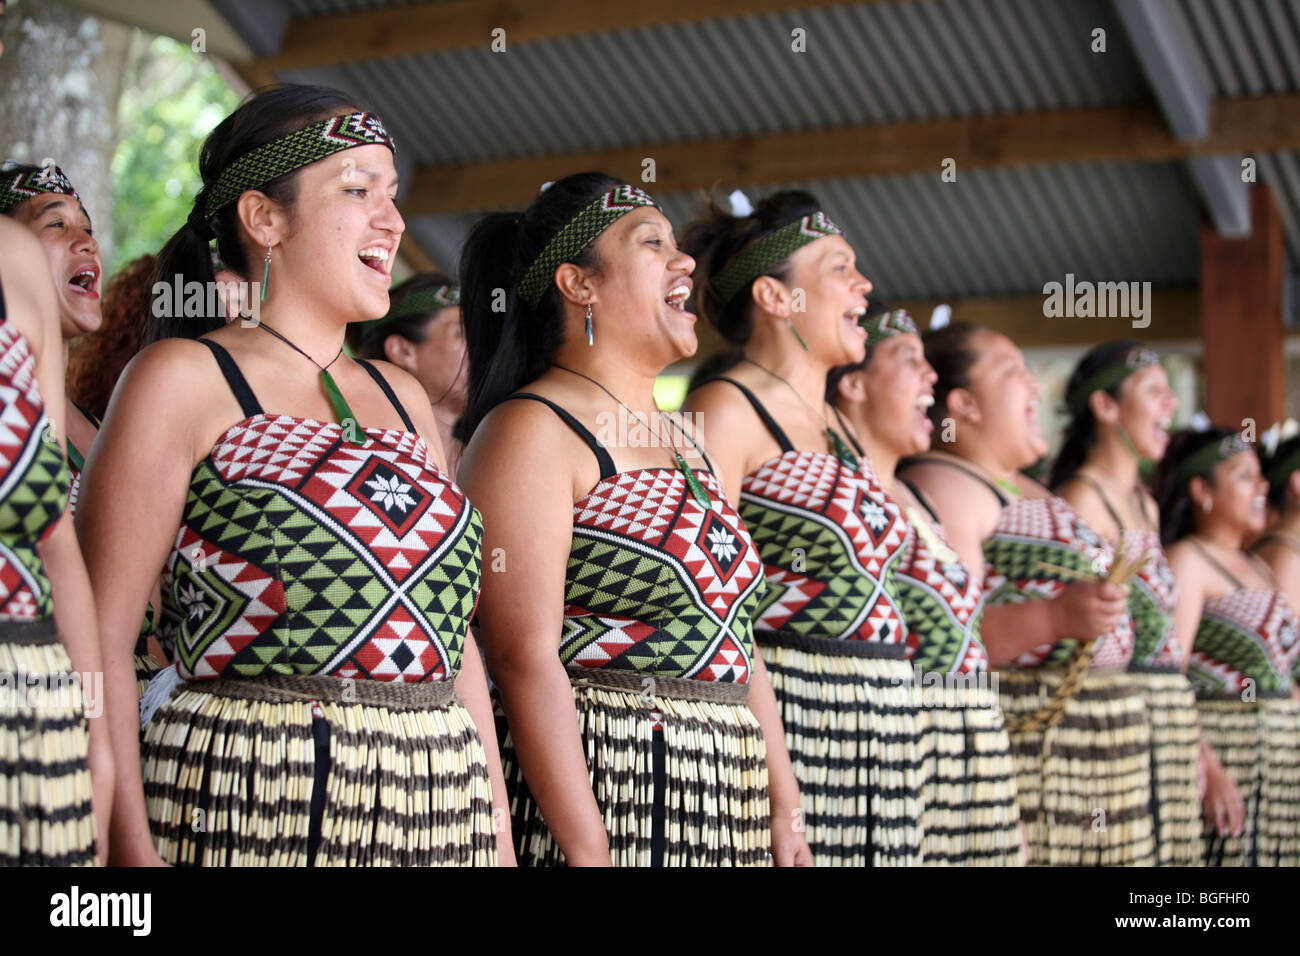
693 483
842 451
336 400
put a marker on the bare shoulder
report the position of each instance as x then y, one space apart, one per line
30 300
176 382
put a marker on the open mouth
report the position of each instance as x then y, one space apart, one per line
923 403
84 281
376 258
677 296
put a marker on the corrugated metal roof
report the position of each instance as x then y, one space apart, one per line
1249 47
870 63
1281 173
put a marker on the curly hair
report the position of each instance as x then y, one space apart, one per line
98 359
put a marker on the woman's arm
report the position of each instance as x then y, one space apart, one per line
133 492
789 839
512 473
472 689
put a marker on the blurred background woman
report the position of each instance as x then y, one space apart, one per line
621 585
969 789
1121 407
1241 635
423 334
1280 546
781 285
1078 729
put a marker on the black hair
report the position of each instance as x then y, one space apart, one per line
265 115
1081 431
368 343
1277 485
11 168
509 341
951 353
1170 491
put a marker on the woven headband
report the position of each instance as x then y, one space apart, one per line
1279 469
19 186
760 255
282 156
1106 378
1203 459
886 325
419 302
579 233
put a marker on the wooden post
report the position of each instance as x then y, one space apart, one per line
1241 319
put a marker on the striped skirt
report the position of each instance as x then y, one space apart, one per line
1084 786
852 716
680 781
1259 744
970 815
319 771
45 805
1175 746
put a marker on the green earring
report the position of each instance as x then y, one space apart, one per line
266 273
790 322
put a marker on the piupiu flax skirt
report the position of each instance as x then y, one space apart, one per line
1175 746
45 810
249 773
679 781
1259 744
851 711
1089 803
970 815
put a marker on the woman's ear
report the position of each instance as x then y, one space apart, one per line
962 405
1104 408
771 295
261 217
575 285
400 352
851 389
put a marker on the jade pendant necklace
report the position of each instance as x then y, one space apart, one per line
332 392
841 448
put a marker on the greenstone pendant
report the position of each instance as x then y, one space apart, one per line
698 491
341 411
842 450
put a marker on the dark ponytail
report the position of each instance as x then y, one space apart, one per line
1081 431
264 116
509 342
1170 491
951 352
717 237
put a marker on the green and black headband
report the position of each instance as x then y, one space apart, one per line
886 325
1202 460
282 156
418 302
18 186
1107 377
760 255
579 233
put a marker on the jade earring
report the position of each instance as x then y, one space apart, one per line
790 322
591 339
266 273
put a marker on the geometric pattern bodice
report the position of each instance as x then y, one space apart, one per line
942 604
1152 595
1050 531
1248 634
34 481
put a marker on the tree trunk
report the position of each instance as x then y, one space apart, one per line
61 76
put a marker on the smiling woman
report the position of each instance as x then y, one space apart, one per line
319 565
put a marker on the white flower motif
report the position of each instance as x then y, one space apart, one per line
194 602
389 492
956 573
873 514
722 544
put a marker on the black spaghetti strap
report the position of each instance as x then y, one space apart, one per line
931 460
694 444
602 456
1096 486
3 313
89 417
1217 566
248 403
849 435
768 420
382 382
925 502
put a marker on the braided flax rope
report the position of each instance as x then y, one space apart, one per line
760 255
652 685
280 688
300 148
16 187
42 631
578 233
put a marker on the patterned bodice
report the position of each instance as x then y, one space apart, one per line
1152 595
831 541
33 482
300 552
1250 634
658 584
1048 530
942 603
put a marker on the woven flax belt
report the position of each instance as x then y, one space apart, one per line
653 685
29 632
395 695
825 645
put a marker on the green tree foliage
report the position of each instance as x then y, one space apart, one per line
172 99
